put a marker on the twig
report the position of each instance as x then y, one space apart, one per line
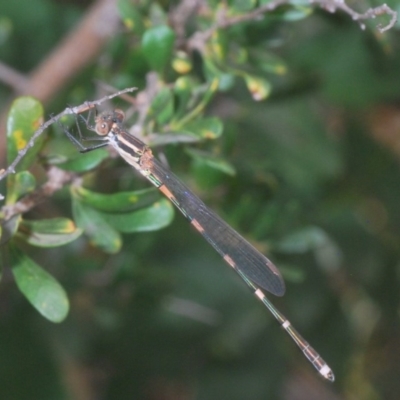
57 178
83 43
223 21
68 111
333 5
199 39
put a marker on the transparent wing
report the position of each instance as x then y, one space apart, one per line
258 268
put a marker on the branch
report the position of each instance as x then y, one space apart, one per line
371 13
68 111
77 49
57 179
223 21
82 44
199 39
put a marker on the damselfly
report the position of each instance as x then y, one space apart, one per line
256 270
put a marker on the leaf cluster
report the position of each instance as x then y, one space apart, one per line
275 120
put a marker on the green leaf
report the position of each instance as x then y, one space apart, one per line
157 44
9 228
50 240
170 137
131 17
153 218
258 87
243 5
181 63
239 55
219 45
183 89
48 232
100 233
23 182
212 161
205 128
24 118
118 202
211 71
162 106
157 15
7 29
207 93
51 225
297 13
85 161
39 287
269 62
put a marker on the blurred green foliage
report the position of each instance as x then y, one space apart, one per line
282 125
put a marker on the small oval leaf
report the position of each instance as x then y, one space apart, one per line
51 225
212 161
157 44
181 63
153 218
49 240
269 62
85 162
9 228
258 87
52 232
205 128
162 106
219 45
118 202
183 90
297 13
24 118
130 16
211 71
39 287
243 5
22 183
100 233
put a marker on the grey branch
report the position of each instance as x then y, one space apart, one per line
57 178
68 111
371 13
223 20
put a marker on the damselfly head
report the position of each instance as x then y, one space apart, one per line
106 120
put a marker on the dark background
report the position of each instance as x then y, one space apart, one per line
316 187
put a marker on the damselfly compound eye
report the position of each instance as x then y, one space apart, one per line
103 126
